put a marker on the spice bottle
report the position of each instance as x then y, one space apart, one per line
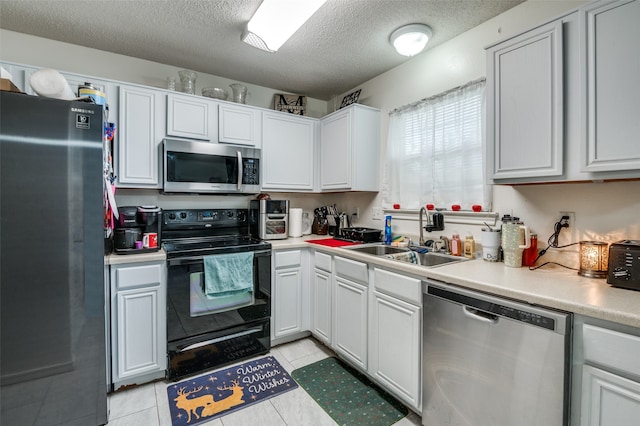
469 247
529 255
456 245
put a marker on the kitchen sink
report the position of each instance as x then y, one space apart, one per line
429 259
377 249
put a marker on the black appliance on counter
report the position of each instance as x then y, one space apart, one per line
205 332
624 264
359 234
53 358
131 226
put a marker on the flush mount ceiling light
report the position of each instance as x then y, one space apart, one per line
276 20
410 39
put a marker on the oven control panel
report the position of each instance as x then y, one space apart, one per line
204 218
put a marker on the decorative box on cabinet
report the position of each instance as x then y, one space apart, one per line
609 74
321 298
140 134
350 294
138 322
288 152
350 149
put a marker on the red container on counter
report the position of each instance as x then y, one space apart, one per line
529 255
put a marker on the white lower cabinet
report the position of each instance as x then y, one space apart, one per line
350 310
138 322
321 298
609 399
610 389
289 301
395 334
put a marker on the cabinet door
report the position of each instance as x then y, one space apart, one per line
350 321
138 348
395 346
287 301
140 134
336 151
189 117
525 105
608 399
611 66
287 152
239 125
321 326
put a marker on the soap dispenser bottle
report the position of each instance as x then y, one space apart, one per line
469 247
456 245
387 230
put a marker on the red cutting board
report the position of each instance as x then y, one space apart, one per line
332 242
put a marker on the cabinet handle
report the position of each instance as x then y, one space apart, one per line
479 315
219 339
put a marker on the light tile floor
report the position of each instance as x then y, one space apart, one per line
147 405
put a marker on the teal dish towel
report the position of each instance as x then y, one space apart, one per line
226 274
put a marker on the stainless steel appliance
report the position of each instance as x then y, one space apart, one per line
205 330
624 264
206 167
53 357
492 361
269 219
131 226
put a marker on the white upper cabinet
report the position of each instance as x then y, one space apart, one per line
525 104
610 71
190 116
350 149
239 125
288 148
562 98
140 134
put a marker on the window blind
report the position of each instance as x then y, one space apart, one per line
434 152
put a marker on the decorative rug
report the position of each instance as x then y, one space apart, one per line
200 399
347 395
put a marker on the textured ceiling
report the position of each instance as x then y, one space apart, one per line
343 45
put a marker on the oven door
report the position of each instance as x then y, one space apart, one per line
205 333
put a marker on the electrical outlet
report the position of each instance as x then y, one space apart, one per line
356 214
377 213
572 218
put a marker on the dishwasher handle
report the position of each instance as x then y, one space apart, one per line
479 315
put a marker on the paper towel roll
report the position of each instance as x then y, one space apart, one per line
50 83
295 222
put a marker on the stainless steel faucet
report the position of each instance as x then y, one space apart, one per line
422 209
446 244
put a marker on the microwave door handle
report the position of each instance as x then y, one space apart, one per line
239 170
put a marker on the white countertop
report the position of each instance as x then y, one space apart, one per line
550 286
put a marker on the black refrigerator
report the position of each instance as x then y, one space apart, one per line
52 292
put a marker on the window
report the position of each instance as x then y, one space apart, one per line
434 152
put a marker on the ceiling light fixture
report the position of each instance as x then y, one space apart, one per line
277 20
409 40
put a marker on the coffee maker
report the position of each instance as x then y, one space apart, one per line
137 230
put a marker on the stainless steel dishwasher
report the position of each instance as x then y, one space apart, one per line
489 361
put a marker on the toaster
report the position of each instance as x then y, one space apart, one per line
624 264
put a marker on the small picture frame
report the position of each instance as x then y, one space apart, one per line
351 98
293 104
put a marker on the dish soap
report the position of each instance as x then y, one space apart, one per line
456 245
469 248
387 230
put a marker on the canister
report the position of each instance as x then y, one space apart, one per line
88 90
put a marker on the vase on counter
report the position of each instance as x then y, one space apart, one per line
239 93
188 81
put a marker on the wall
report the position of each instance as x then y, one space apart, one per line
40 52
604 211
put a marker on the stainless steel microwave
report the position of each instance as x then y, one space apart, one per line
206 167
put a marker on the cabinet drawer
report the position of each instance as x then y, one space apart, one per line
350 269
322 261
611 348
407 288
138 276
288 258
